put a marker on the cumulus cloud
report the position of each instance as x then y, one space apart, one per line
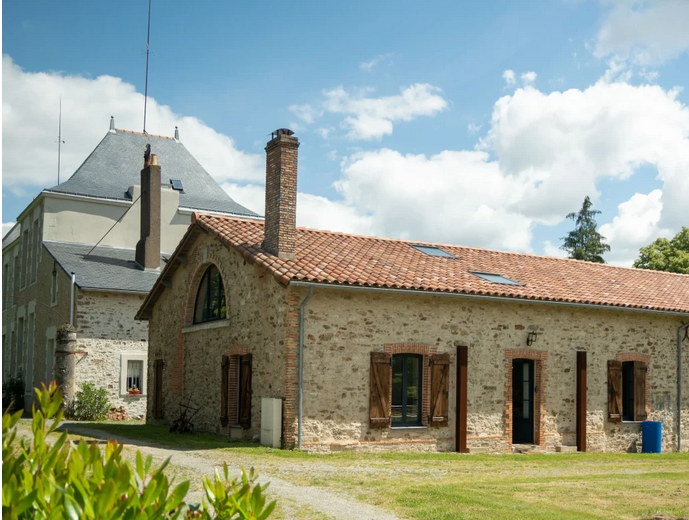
29 159
542 155
306 113
473 129
636 225
313 211
529 78
645 32
372 118
368 66
509 77
551 249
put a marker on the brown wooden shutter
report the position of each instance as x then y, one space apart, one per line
440 390
379 413
245 391
639 391
224 390
614 390
158 389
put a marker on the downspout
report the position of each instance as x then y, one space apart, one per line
301 363
71 300
680 330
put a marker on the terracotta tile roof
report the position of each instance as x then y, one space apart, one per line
338 258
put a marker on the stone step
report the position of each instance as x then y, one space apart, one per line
566 449
526 449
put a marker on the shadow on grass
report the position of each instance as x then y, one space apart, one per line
140 434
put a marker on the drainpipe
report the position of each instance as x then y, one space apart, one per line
71 300
301 363
680 330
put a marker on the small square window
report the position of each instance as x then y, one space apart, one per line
432 250
495 278
176 184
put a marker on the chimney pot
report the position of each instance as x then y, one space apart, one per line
154 160
280 235
112 124
176 134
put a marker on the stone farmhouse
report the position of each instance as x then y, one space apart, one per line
379 344
52 275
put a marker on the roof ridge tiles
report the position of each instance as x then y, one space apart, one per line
146 134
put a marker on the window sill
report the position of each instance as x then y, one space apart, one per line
631 422
409 427
132 395
206 326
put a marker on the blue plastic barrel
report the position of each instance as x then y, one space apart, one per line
651 433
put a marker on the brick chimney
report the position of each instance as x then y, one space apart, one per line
148 247
281 194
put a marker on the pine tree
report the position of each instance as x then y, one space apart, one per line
584 242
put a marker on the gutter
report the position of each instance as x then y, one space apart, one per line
71 298
680 330
302 305
297 283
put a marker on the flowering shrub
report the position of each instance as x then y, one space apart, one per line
57 481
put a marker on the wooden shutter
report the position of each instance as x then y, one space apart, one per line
158 389
224 390
614 390
440 390
381 371
245 391
639 391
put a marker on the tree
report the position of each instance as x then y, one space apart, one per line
585 242
666 255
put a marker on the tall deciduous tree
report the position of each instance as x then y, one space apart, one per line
584 242
666 255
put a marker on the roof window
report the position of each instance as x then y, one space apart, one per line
495 278
432 250
176 184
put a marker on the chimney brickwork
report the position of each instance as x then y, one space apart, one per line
281 195
148 247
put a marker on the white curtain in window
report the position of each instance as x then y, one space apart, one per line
135 371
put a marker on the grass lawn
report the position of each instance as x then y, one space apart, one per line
449 486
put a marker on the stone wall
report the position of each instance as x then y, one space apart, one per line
192 354
342 328
107 330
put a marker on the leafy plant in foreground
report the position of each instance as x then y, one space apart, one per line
59 481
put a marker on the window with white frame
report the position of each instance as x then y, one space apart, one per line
25 256
133 367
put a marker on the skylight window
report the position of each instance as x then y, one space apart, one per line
432 250
495 278
176 184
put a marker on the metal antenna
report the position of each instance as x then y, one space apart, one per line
59 141
148 40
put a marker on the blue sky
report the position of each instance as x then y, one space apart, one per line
390 101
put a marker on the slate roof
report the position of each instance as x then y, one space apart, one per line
106 268
115 165
344 259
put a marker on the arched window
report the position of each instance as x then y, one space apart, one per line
210 300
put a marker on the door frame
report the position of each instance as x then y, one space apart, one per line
530 422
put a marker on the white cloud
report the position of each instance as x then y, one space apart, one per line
551 249
368 66
313 211
6 226
325 132
509 77
306 113
650 76
372 118
529 78
636 225
30 108
473 129
645 32
542 155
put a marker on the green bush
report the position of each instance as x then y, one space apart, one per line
13 393
91 403
59 481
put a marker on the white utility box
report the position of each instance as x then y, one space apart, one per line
271 422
